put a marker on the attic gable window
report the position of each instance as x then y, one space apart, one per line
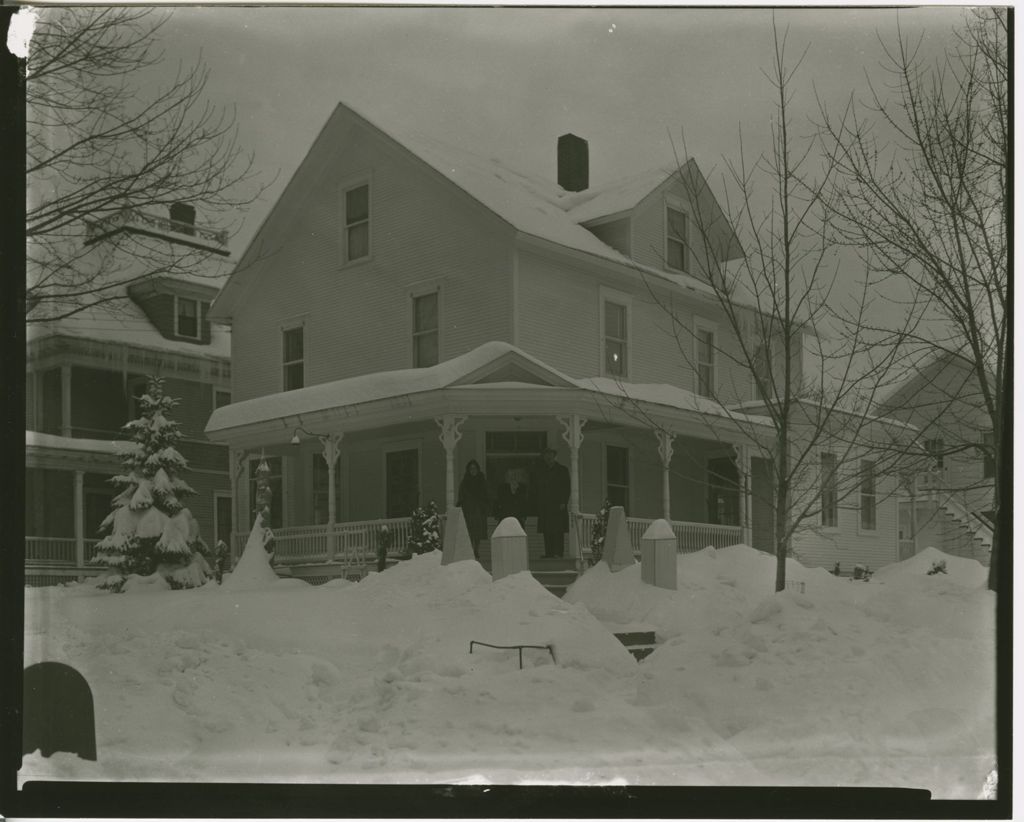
677 239
425 342
186 317
357 222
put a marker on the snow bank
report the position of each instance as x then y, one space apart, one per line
888 682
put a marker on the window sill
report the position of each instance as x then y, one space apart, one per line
350 264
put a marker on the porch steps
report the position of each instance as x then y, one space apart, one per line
554 574
639 643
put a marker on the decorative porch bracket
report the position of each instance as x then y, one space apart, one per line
572 433
665 452
450 435
331 443
743 468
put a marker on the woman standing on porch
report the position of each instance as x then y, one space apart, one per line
474 500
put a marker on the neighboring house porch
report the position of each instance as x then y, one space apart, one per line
398 440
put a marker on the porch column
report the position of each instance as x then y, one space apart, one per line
573 436
449 436
743 469
65 400
80 518
332 448
665 451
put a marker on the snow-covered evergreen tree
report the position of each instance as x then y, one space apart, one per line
150 532
425 530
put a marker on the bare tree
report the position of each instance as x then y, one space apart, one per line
777 300
113 131
930 207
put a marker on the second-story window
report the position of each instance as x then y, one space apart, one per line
294 358
357 222
677 239
935 449
425 330
615 339
186 317
705 361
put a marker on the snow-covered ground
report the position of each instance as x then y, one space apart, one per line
884 683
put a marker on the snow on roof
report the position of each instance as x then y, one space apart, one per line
127 323
619 195
451 373
750 404
37 440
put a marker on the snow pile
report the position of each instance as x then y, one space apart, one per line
849 683
253 570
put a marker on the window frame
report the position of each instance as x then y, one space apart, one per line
417 294
397 447
178 299
345 226
672 204
930 450
624 301
629 474
834 502
700 324
285 363
217 391
863 475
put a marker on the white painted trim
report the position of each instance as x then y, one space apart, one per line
621 298
702 324
345 186
199 318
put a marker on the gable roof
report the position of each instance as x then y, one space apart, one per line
922 373
531 206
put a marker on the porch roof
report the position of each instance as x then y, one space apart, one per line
496 378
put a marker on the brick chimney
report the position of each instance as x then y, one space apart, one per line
184 213
573 163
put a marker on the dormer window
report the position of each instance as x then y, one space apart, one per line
357 222
677 239
186 317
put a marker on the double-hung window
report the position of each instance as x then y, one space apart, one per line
186 317
868 498
616 339
705 360
677 239
357 222
294 358
425 330
935 449
829 491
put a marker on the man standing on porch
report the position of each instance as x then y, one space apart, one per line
552 489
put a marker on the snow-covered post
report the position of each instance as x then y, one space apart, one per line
509 554
449 436
658 555
79 518
665 451
456 546
572 433
332 449
618 549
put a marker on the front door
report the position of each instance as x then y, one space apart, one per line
402 482
723 492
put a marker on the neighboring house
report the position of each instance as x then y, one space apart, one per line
407 307
948 502
84 373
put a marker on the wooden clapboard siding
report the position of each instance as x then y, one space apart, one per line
424 233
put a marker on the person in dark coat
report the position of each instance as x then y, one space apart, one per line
551 487
474 500
513 498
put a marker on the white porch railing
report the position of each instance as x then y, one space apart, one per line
56 550
690 536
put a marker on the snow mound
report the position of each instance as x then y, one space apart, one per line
253 570
961 570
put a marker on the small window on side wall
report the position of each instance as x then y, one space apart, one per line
425 330
357 222
294 358
186 317
616 340
705 361
677 240
868 496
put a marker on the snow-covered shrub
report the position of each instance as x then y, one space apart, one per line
425 531
599 532
150 531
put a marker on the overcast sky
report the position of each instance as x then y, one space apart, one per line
507 82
